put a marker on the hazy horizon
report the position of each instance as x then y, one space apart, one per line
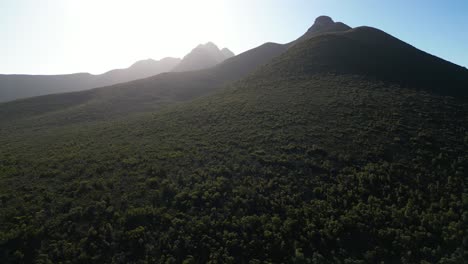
59 37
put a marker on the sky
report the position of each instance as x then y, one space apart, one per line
68 36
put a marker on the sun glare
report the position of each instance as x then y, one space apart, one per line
138 29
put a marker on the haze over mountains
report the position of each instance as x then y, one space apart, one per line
138 70
346 145
202 57
364 51
152 93
19 86
16 86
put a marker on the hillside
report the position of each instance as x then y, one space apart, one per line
203 56
144 95
370 52
17 86
330 153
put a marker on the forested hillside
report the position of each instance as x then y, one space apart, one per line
304 161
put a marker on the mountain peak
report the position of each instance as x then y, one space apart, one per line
323 20
210 44
322 24
203 56
325 24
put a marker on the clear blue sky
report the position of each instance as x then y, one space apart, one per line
65 36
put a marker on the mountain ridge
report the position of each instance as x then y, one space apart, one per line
19 86
354 52
85 84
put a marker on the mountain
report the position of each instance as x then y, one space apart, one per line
326 153
203 56
137 96
373 53
148 94
139 70
227 53
322 24
17 86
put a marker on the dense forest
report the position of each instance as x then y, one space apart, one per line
253 178
297 163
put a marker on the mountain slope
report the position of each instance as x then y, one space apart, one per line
22 86
149 94
306 160
363 51
202 57
143 95
374 53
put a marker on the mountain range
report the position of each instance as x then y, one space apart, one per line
18 86
152 93
346 145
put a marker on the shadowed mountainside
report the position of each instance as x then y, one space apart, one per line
370 52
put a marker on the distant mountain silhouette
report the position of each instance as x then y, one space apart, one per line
139 70
203 56
17 86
